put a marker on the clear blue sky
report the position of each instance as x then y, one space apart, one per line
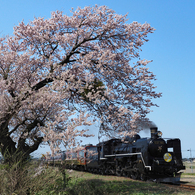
171 48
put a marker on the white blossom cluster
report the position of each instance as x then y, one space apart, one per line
56 73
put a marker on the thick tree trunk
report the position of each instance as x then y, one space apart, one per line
16 154
7 145
20 152
7 149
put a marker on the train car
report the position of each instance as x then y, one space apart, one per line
71 159
82 159
56 160
88 158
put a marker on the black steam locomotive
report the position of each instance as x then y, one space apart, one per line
142 158
151 158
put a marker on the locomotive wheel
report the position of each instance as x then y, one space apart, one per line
134 174
125 174
81 168
143 177
119 171
102 172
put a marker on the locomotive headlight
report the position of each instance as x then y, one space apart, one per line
167 157
159 133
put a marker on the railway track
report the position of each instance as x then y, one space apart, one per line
186 186
181 186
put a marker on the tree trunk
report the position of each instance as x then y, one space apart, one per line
19 154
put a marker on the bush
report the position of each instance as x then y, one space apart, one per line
32 179
14 179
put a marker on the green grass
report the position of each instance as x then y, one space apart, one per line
91 184
51 181
193 167
183 174
189 164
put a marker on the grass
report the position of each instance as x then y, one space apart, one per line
189 164
51 181
184 174
30 179
91 184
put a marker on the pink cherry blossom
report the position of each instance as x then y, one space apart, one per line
48 70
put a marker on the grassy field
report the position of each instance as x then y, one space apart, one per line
188 177
40 180
190 167
91 184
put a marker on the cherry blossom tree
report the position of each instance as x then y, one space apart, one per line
57 73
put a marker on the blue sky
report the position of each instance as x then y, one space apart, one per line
171 48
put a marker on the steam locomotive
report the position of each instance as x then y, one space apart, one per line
151 158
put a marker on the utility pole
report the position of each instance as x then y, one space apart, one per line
191 159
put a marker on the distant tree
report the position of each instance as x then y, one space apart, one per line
55 73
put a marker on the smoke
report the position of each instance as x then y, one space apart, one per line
146 125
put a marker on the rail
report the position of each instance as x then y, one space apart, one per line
187 186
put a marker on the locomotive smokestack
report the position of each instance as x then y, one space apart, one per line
153 131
